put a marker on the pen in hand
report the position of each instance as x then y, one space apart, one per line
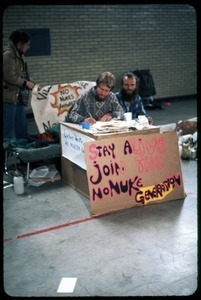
90 119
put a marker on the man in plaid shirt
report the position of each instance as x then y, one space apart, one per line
129 98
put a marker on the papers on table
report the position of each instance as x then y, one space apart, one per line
118 126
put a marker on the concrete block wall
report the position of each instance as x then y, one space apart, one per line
89 39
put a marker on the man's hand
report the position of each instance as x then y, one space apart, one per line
90 120
151 122
106 117
30 85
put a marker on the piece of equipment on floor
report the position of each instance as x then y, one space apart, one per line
29 151
146 88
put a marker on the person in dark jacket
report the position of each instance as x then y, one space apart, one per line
129 98
16 86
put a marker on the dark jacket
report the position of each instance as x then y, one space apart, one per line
136 107
13 65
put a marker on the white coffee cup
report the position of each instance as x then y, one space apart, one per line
128 116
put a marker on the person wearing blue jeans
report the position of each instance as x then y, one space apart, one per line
15 121
16 86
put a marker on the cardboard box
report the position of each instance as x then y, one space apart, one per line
122 170
74 176
133 171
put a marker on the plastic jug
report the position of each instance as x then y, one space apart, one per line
18 181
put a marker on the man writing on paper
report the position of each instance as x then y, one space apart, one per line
97 104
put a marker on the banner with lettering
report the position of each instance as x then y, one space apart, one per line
52 103
134 170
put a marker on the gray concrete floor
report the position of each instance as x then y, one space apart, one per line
144 251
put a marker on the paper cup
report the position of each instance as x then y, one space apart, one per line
128 116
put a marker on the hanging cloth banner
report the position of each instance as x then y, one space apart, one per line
52 103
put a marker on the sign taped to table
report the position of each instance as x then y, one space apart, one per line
132 171
72 145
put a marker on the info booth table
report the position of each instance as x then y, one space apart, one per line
122 169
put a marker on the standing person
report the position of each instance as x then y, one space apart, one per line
16 86
97 104
129 98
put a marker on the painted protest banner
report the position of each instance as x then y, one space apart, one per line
52 103
72 145
132 171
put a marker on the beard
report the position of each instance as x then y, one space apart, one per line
98 98
128 97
